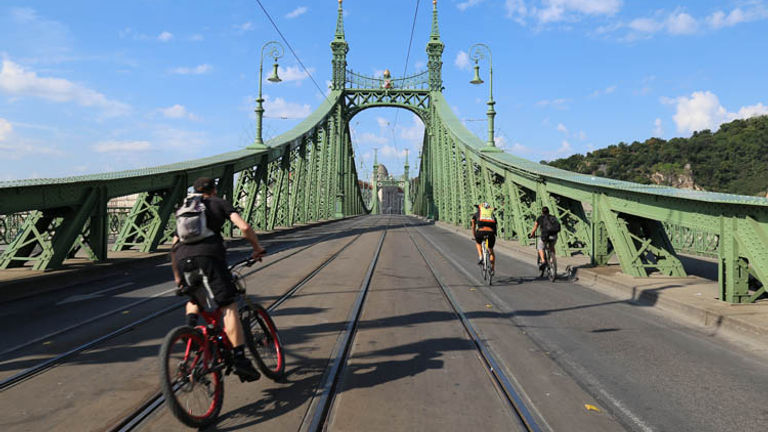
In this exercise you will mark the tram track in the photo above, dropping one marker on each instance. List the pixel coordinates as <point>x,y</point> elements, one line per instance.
<point>52,362</point>
<point>138,417</point>
<point>512,394</point>
<point>321,404</point>
<point>320,408</point>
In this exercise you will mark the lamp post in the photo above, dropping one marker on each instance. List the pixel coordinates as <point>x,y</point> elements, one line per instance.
<point>275,50</point>
<point>476,52</point>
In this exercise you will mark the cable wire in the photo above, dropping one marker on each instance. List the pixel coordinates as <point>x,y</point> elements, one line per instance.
<point>405,73</point>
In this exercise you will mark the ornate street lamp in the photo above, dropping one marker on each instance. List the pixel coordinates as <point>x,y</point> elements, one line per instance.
<point>275,50</point>
<point>476,52</point>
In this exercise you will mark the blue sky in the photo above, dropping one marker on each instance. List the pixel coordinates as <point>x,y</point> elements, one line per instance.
<point>93,86</point>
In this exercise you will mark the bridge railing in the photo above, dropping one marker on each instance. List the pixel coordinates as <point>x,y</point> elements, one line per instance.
<point>306,174</point>
<point>419,81</point>
<point>631,221</point>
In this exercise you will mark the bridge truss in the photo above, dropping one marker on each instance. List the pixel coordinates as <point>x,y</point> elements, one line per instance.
<point>308,174</point>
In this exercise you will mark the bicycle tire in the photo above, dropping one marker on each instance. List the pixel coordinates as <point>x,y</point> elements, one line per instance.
<point>488,263</point>
<point>181,346</point>
<point>552,267</point>
<point>263,340</point>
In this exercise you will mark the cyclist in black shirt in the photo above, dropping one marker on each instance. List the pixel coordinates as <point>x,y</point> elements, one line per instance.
<point>541,222</point>
<point>208,256</point>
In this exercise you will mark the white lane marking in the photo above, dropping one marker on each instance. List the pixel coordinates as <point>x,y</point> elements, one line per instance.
<point>82,297</point>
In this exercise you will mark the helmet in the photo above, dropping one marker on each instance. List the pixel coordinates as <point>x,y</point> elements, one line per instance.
<point>485,205</point>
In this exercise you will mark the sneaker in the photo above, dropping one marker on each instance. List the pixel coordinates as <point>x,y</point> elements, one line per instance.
<point>542,266</point>
<point>245,370</point>
<point>480,261</point>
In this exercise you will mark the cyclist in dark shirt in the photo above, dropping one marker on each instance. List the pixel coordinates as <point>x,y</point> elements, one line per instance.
<point>208,258</point>
<point>540,243</point>
<point>484,225</point>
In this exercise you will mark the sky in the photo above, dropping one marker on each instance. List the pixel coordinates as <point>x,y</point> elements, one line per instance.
<point>91,86</point>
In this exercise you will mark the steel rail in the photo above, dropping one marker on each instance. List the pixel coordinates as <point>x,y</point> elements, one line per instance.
<point>494,368</point>
<point>56,360</point>
<point>150,406</point>
<point>320,405</point>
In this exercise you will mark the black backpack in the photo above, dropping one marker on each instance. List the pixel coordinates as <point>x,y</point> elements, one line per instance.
<point>550,225</point>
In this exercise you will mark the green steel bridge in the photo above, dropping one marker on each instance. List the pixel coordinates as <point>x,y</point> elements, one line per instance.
<point>308,174</point>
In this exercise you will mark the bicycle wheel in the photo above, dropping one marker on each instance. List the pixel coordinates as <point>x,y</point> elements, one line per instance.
<point>263,340</point>
<point>192,392</point>
<point>552,267</point>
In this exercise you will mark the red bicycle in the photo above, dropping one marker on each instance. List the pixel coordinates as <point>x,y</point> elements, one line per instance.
<point>194,359</point>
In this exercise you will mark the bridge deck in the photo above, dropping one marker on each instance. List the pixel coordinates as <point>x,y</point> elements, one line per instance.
<point>411,364</point>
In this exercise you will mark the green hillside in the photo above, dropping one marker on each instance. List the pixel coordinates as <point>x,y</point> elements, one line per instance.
<point>734,159</point>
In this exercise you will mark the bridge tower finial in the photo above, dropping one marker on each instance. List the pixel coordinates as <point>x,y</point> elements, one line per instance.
<point>435,35</point>
<point>435,49</point>
<point>339,47</point>
<point>340,23</point>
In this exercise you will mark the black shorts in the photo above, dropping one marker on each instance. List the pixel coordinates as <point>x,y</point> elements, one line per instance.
<point>211,278</point>
<point>481,235</point>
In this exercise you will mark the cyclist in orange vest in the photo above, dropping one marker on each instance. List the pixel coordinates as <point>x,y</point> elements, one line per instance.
<point>484,225</point>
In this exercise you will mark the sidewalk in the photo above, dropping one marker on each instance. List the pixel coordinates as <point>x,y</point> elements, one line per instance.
<point>692,299</point>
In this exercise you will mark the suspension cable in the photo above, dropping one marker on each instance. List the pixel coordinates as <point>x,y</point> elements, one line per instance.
<point>405,73</point>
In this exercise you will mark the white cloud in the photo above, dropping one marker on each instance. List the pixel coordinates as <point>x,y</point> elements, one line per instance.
<point>462,60</point>
<point>120,146</point>
<point>17,150</point>
<point>301,10</point>
<point>645,25</point>
<point>389,151</point>
<point>197,70</point>
<point>244,27</point>
<point>196,38</point>
<point>606,91</point>
<point>468,4</point>
<point>370,138</point>
<point>293,73</point>
<point>680,23</point>
<point>5,129</point>
<point>561,128</point>
<point>702,110</point>
<point>755,12</point>
<point>177,112</point>
<point>582,136</point>
<point>500,141</point>
<point>165,36</point>
<point>41,38</point>
<point>16,81</point>
<point>658,131</point>
<point>279,107</point>
<point>519,149</point>
<point>560,104</point>
<point>413,133</point>
<point>550,11</point>
<point>382,122</point>
<point>565,148</point>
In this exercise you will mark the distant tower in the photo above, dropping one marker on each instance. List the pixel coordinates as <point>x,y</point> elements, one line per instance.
<point>339,48</point>
<point>406,187</point>
<point>435,49</point>
<point>375,184</point>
